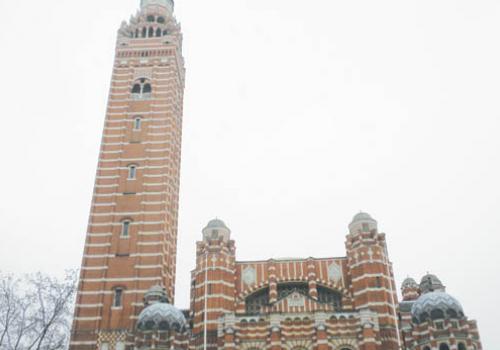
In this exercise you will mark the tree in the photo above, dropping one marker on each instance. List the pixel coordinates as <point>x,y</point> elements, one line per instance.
<point>36,311</point>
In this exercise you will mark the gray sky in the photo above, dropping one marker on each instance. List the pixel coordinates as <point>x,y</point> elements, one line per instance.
<point>297,115</point>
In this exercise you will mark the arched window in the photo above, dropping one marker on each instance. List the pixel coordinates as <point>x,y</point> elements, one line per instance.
<point>461,346</point>
<point>146,89</point>
<point>141,89</point>
<point>165,32</point>
<point>126,228</point>
<point>137,123</point>
<point>118,297</point>
<point>158,32</point>
<point>444,346</point>
<point>437,314</point>
<point>132,172</point>
<point>151,32</point>
<point>136,89</point>
<point>160,19</point>
<point>254,302</point>
<point>285,289</point>
<point>427,348</point>
<point>151,18</point>
<point>144,32</point>
<point>329,296</point>
<point>137,33</point>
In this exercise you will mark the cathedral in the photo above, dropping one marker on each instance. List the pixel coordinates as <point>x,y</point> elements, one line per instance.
<point>127,281</point>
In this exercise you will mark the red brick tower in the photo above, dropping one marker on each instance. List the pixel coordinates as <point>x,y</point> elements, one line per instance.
<point>212,283</point>
<point>372,283</point>
<point>132,231</point>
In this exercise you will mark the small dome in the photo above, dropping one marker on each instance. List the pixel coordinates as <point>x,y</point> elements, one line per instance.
<point>216,229</point>
<point>409,283</point>
<point>155,294</point>
<point>362,217</point>
<point>161,316</point>
<point>431,283</point>
<point>436,305</point>
<point>362,222</point>
<point>164,3</point>
<point>216,223</point>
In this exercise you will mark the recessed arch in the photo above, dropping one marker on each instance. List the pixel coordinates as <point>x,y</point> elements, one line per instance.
<point>444,346</point>
<point>141,88</point>
<point>255,301</point>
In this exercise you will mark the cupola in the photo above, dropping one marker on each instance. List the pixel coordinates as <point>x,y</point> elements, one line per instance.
<point>431,283</point>
<point>168,4</point>
<point>362,222</point>
<point>410,289</point>
<point>216,229</point>
<point>159,315</point>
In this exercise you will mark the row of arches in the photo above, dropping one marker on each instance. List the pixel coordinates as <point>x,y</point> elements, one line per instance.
<point>259,299</point>
<point>149,32</point>
<point>152,18</point>
<point>444,346</point>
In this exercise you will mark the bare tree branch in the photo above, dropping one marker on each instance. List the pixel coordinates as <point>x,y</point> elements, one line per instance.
<point>36,311</point>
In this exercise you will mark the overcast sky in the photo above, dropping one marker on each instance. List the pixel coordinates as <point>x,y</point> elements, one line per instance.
<point>298,114</point>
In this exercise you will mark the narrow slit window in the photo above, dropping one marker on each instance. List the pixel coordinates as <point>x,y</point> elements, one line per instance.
<point>137,124</point>
<point>118,300</point>
<point>126,228</point>
<point>132,172</point>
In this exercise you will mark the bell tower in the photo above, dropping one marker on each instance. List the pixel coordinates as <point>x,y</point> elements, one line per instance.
<point>132,231</point>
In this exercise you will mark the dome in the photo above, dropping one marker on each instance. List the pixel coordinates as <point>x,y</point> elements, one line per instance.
<point>431,283</point>
<point>362,222</point>
<point>165,3</point>
<point>216,229</point>
<point>161,316</point>
<point>362,217</point>
<point>436,305</point>
<point>155,294</point>
<point>409,283</point>
<point>216,223</point>
<point>168,4</point>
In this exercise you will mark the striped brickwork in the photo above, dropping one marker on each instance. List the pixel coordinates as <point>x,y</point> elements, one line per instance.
<point>213,280</point>
<point>372,282</point>
<point>451,333</point>
<point>142,130</point>
<point>294,313</point>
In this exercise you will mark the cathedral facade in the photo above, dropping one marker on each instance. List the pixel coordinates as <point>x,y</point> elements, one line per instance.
<point>127,282</point>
